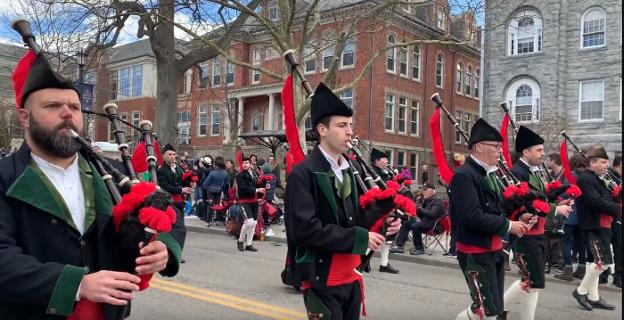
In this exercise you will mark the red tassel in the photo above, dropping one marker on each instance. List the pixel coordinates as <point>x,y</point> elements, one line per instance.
<point>541,205</point>
<point>405,204</point>
<point>20,74</point>
<point>139,156</point>
<point>131,201</point>
<point>503,132</point>
<point>553,186</point>
<point>438,148</point>
<point>567,171</point>
<point>159,220</point>
<point>290,124</point>
<point>574,191</point>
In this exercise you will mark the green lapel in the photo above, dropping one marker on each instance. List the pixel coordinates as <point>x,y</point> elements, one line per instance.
<point>536,182</point>
<point>354,192</point>
<point>97,199</point>
<point>322,179</point>
<point>34,188</point>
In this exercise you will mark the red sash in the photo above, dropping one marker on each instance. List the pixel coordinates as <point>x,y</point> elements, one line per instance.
<point>177,198</point>
<point>87,310</point>
<point>497,244</point>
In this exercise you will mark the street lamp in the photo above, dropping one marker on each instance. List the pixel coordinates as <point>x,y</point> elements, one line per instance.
<point>81,60</point>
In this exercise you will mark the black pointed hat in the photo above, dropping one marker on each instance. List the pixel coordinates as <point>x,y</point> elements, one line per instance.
<point>377,154</point>
<point>526,138</point>
<point>168,147</point>
<point>34,73</point>
<point>326,103</point>
<point>483,131</point>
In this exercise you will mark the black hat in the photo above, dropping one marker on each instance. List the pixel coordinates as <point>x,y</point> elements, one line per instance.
<point>40,76</point>
<point>483,131</point>
<point>326,103</point>
<point>244,157</point>
<point>597,151</point>
<point>525,138</point>
<point>377,154</point>
<point>168,147</point>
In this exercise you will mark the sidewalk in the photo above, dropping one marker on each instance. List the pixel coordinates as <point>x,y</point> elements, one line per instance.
<point>432,258</point>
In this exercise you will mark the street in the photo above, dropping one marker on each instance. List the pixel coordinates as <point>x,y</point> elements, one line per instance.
<point>219,282</point>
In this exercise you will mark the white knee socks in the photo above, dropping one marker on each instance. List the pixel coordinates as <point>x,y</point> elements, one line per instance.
<point>589,284</point>
<point>513,295</point>
<point>384,252</point>
<point>247,232</point>
<point>529,304</point>
<point>469,315</point>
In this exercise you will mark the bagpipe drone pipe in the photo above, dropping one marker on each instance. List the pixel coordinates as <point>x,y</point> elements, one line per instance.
<point>517,197</point>
<point>380,200</point>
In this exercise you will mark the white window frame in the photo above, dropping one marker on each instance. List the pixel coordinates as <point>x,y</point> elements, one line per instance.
<point>229,66</point>
<point>202,111</point>
<point>403,53</point>
<point>390,154</point>
<point>256,60</point>
<point>468,81</point>
<point>417,120</point>
<point>513,32</point>
<point>278,118</point>
<point>349,100</point>
<point>329,46</point>
<point>114,77</point>
<point>402,105</point>
<point>273,11</point>
<point>255,116</point>
<point>391,54</point>
<point>459,115</point>
<point>350,43</point>
<point>604,31</point>
<point>476,85</point>
<point>389,103</point>
<point>441,19</point>
<point>204,66</point>
<point>215,112</point>
<point>400,163</point>
<point>581,101</point>
<point>216,72</point>
<point>136,121</point>
<point>441,74</point>
<point>535,101</point>
<point>310,55</point>
<point>413,169</point>
<point>459,78</point>
<point>416,62</point>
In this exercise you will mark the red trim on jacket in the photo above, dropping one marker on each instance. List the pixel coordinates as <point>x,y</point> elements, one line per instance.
<point>606,221</point>
<point>538,229</point>
<point>87,310</point>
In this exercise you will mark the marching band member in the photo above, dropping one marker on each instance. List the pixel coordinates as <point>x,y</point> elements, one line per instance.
<point>532,246</point>
<point>596,211</point>
<point>324,224</point>
<point>475,202</point>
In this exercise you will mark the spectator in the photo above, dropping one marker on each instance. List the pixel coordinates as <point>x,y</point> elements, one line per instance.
<point>230,167</point>
<point>429,211</point>
<point>424,176</point>
<point>275,168</point>
<point>216,184</point>
<point>406,174</point>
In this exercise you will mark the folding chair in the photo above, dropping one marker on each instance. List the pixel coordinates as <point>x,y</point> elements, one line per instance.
<point>218,214</point>
<point>438,235</point>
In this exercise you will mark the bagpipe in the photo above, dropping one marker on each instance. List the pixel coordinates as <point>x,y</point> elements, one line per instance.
<point>141,210</point>
<point>614,186</point>
<point>553,188</point>
<point>517,197</point>
<point>380,199</point>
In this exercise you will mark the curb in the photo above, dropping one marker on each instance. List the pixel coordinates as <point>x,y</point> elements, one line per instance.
<point>451,263</point>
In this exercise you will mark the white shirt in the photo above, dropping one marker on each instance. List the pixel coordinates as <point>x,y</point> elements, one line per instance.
<point>68,184</point>
<point>489,169</point>
<point>336,168</point>
<point>533,168</point>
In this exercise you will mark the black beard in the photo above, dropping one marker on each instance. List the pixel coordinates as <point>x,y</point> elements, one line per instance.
<point>62,145</point>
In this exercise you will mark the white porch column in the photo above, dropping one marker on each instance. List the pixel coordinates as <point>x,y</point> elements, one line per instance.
<point>271,110</point>
<point>227,122</point>
<point>241,110</point>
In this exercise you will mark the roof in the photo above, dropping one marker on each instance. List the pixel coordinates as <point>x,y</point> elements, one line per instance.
<point>11,51</point>
<point>129,51</point>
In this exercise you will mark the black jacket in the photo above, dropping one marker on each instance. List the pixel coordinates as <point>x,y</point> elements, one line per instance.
<point>43,257</point>
<point>595,200</point>
<point>431,210</point>
<point>169,181</point>
<point>318,223</point>
<point>246,184</point>
<point>476,212</point>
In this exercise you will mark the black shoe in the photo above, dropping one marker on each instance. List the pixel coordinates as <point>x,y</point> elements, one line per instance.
<point>579,273</point>
<point>240,246</point>
<point>601,304</point>
<point>416,252</point>
<point>397,249</point>
<point>367,267</point>
<point>503,316</point>
<point>583,300</point>
<point>388,269</point>
<point>603,279</point>
<point>182,261</point>
<point>250,248</point>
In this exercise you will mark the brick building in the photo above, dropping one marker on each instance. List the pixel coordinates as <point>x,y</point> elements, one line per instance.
<point>219,100</point>
<point>558,64</point>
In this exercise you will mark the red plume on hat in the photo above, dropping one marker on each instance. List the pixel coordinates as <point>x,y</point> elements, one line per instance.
<point>20,74</point>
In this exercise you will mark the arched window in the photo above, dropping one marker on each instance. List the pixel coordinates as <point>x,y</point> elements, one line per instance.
<point>593,28</point>
<point>468,90</point>
<point>459,75</point>
<point>524,33</point>
<point>439,76</point>
<point>415,63</point>
<point>523,97</point>
<point>391,55</point>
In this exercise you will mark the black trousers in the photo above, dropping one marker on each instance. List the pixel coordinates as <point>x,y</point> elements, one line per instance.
<point>598,241</point>
<point>492,265</point>
<point>616,242</point>
<point>533,250</point>
<point>179,209</point>
<point>343,302</point>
